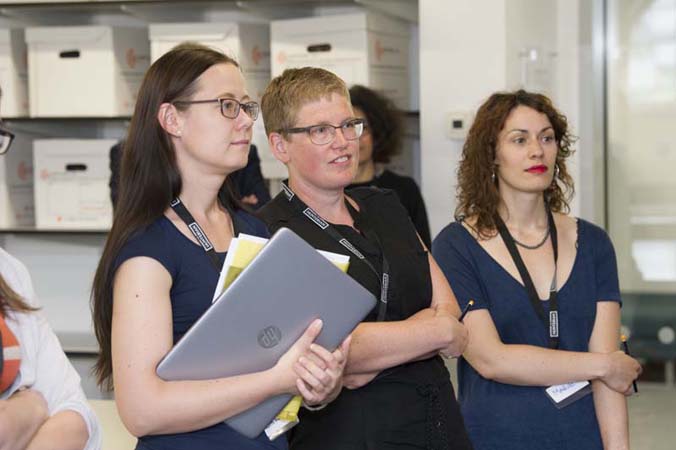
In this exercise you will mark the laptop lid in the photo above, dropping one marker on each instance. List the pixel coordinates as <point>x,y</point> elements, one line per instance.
<point>261,314</point>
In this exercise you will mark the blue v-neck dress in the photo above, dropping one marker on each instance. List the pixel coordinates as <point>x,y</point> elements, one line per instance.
<point>503,416</point>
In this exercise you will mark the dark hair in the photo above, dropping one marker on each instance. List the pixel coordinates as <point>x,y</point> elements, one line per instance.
<point>384,122</point>
<point>477,193</point>
<point>149,177</point>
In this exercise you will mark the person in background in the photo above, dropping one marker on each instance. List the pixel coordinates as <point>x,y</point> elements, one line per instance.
<point>42,405</point>
<point>400,394</point>
<point>248,182</point>
<point>544,284</point>
<point>381,139</point>
<point>190,130</point>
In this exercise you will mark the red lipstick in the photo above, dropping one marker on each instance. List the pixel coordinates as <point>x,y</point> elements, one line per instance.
<point>539,169</point>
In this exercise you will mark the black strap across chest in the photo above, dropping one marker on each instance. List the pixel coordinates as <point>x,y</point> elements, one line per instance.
<point>383,277</point>
<point>182,212</point>
<point>551,321</point>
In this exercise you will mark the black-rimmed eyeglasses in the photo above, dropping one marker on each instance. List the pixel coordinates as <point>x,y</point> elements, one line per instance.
<point>229,106</point>
<point>6,138</point>
<point>326,133</point>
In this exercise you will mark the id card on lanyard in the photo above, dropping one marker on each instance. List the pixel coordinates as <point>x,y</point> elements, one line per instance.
<point>327,228</point>
<point>561,395</point>
<point>550,320</point>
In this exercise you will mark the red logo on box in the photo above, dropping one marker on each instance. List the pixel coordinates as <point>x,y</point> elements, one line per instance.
<point>379,49</point>
<point>44,174</point>
<point>23,171</point>
<point>131,58</point>
<point>281,57</point>
<point>256,55</point>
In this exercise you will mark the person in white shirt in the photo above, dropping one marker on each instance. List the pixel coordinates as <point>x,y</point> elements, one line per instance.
<point>42,405</point>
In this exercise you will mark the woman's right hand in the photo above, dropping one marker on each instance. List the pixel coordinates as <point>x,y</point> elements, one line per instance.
<point>284,368</point>
<point>621,371</point>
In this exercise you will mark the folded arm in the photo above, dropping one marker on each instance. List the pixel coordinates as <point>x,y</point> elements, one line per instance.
<point>380,345</point>
<point>65,430</point>
<point>611,406</point>
<point>528,365</point>
<point>21,416</point>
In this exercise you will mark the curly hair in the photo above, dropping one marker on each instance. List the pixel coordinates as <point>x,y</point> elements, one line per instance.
<point>383,120</point>
<point>477,191</point>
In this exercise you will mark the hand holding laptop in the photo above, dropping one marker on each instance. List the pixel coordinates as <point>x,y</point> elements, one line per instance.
<point>310,370</point>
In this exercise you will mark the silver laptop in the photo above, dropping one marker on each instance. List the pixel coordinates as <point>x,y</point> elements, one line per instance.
<point>263,312</point>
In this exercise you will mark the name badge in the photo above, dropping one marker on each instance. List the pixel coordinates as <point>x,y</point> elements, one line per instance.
<point>563,395</point>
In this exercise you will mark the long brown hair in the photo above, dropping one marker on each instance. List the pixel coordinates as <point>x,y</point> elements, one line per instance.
<point>10,300</point>
<point>149,177</point>
<point>477,191</point>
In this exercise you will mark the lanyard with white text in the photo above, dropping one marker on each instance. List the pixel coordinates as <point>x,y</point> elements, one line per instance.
<point>553,323</point>
<point>315,218</point>
<point>182,212</point>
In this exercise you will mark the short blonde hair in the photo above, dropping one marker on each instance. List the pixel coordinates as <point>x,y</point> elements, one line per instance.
<point>294,88</point>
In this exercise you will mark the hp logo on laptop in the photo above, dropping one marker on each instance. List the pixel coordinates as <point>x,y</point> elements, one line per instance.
<point>270,336</point>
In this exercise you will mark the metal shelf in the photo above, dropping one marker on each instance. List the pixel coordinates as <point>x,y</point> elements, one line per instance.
<point>80,11</point>
<point>52,231</point>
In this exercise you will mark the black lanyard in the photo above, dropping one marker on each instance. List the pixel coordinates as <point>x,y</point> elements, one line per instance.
<point>551,324</point>
<point>182,212</point>
<point>315,218</point>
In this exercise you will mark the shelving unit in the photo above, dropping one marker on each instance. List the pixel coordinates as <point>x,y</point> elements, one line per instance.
<point>62,262</point>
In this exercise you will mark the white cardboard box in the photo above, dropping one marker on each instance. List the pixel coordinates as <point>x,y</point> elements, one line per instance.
<point>13,73</point>
<point>71,183</point>
<point>361,48</point>
<point>85,71</point>
<point>16,184</point>
<point>249,45</point>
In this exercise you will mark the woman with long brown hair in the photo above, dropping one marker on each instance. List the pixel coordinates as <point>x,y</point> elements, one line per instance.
<point>191,128</point>
<point>42,404</point>
<point>545,317</point>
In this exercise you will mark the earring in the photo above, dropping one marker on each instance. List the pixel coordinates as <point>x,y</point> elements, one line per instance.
<point>493,175</point>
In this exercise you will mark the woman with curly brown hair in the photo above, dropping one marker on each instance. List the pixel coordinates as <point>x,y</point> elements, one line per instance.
<point>544,325</point>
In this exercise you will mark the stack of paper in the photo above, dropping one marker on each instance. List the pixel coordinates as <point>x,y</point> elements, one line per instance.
<point>242,251</point>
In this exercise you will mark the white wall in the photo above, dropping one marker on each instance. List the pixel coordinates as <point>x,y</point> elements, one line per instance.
<point>462,61</point>
<point>472,48</point>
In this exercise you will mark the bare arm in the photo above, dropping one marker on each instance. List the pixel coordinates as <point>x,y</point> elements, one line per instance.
<point>142,335</point>
<point>21,415</point>
<point>63,431</point>
<point>381,345</point>
<point>611,406</point>
<point>528,365</point>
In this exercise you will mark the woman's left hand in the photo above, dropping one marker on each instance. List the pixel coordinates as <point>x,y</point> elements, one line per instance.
<point>320,373</point>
